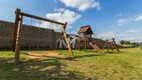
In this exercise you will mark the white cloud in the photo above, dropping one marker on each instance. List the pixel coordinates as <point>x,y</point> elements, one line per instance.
<point>82,5</point>
<point>74,32</point>
<point>131,31</point>
<point>64,16</point>
<point>107,35</point>
<point>118,37</point>
<point>49,26</point>
<point>60,10</point>
<point>133,39</point>
<point>138,18</point>
<point>120,14</point>
<point>122,22</point>
<point>67,16</point>
<point>110,35</point>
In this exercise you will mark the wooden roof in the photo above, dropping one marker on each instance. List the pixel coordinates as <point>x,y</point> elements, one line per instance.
<point>85,29</point>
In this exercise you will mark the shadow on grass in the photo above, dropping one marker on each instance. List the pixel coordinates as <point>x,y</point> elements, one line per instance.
<point>113,52</point>
<point>86,55</point>
<point>88,51</point>
<point>48,69</point>
<point>82,56</point>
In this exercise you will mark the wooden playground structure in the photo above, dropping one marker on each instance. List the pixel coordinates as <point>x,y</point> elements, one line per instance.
<point>110,44</point>
<point>17,28</point>
<point>85,36</point>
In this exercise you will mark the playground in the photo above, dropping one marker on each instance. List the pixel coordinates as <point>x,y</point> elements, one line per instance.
<point>110,61</point>
<point>84,37</point>
<point>124,65</point>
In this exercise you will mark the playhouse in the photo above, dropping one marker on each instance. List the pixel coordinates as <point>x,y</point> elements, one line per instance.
<point>85,36</point>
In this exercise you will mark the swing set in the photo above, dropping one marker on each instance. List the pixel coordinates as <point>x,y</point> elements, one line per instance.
<point>17,29</point>
<point>110,44</point>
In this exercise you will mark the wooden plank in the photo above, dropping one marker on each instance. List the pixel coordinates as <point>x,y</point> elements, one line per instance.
<point>40,18</point>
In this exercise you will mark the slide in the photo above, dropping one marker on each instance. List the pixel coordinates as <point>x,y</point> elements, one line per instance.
<point>96,48</point>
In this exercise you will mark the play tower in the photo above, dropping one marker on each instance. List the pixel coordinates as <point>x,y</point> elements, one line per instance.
<point>85,37</point>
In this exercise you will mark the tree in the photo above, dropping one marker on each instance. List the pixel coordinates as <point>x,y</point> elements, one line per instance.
<point>122,42</point>
<point>141,46</point>
<point>127,42</point>
<point>135,44</point>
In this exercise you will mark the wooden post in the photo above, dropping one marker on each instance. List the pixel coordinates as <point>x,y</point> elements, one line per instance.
<point>58,41</point>
<point>79,45</point>
<point>15,29</point>
<point>65,36</point>
<point>116,46</point>
<point>106,43</point>
<point>91,40</point>
<point>109,46</point>
<point>85,45</point>
<point>57,45</point>
<point>17,45</point>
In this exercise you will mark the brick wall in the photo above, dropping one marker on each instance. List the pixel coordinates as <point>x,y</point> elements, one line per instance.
<point>31,37</point>
<point>6,29</point>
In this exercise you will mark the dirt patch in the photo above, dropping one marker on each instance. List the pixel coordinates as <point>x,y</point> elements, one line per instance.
<point>36,55</point>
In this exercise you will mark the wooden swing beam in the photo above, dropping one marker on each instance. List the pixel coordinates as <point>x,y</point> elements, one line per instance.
<point>17,28</point>
<point>40,18</point>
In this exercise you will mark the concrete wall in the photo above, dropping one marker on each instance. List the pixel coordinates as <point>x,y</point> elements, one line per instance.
<point>31,37</point>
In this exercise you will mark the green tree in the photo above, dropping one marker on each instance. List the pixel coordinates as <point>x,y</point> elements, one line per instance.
<point>127,42</point>
<point>122,42</point>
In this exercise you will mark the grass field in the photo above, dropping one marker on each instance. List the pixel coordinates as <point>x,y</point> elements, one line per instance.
<point>124,65</point>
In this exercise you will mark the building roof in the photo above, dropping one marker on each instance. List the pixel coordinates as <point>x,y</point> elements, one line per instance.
<point>85,29</point>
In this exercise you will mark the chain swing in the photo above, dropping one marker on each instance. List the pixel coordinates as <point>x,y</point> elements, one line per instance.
<point>38,34</point>
<point>30,47</point>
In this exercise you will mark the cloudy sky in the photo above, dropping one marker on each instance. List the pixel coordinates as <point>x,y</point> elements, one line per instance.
<point>121,19</point>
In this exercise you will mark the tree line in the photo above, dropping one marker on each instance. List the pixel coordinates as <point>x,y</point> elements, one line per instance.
<point>134,44</point>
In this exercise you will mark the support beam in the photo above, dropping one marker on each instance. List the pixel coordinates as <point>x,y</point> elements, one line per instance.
<point>61,36</point>
<point>77,47</point>
<point>17,45</point>
<point>66,39</point>
<point>15,29</point>
<point>85,45</point>
<point>40,18</point>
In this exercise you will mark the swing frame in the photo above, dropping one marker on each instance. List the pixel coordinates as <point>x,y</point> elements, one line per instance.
<point>17,30</point>
<point>109,43</point>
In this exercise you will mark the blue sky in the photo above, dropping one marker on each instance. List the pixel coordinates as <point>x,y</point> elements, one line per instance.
<point>121,19</point>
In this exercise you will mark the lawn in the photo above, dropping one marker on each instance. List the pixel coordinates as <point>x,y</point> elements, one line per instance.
<point>124,65</point>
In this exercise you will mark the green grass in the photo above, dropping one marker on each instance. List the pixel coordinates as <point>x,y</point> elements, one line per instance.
<point>124,65</point>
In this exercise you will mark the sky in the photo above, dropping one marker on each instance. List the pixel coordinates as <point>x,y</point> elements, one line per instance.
<point>120,19</point>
